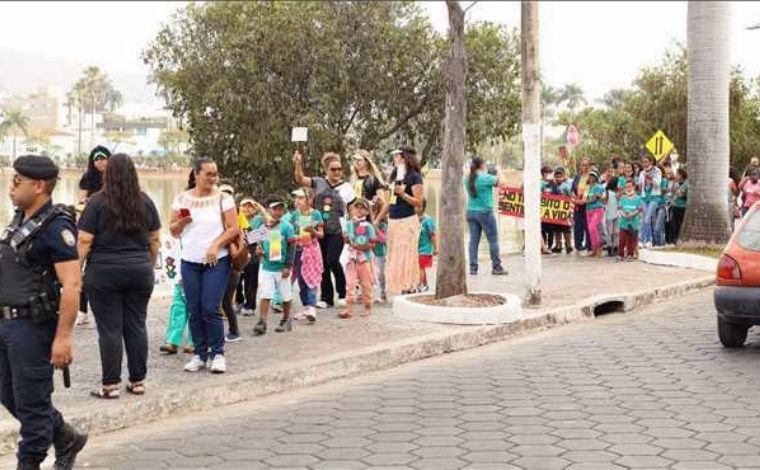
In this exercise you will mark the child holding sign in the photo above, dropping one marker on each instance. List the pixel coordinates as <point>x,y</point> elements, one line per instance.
<point>276,255</point>
<point>360,236</point>
<point>309,227</point>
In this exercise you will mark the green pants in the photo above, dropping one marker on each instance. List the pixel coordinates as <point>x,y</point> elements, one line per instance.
<point>177,332</point>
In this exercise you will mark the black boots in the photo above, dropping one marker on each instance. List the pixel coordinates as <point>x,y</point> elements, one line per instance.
<point>28,465</point>
<point>68,442</point>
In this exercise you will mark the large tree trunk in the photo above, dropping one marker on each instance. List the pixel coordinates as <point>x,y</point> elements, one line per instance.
<point>707,216</point>
<point>531,128</point>
<point>451,274</point>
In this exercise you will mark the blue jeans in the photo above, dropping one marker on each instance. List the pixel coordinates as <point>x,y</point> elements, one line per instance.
<point>307,294</point>
<point>204,288</point>
<point>479,222</point>
<point>648,221</point>
<point>659,225</point>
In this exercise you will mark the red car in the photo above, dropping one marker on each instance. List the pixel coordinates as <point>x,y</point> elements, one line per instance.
<point>737,297</point>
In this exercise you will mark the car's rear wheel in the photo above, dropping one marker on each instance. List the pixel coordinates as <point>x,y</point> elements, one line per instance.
<point>732,335</point>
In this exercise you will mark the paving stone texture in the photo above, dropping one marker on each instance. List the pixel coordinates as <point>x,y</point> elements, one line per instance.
<point>651,389</point>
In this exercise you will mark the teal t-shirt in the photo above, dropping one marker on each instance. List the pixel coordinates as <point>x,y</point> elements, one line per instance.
<point>484,184</point>
<point>361,232</point>
<point>595,190</point>
<point>627,205</point>
<point>300,222</point>
<point>381,247</point>
<point>280,235</point>
<point>426,235</point>
<point>681,195</point>
<point>664,186</point>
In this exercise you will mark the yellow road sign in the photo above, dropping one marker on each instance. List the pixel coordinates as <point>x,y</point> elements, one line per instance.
<point>659,145</point>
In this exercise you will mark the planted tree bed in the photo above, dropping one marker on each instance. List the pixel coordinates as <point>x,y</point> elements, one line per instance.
<point>466,300</point>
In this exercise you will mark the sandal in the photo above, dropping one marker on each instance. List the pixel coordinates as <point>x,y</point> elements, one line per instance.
<point>106,392</point>
<point>136,388</point>
<point>344,315</point>
<point>168,348</point>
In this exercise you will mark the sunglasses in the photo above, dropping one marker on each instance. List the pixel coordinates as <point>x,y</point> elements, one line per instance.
<point>336,168</point>
<point>19,180</point>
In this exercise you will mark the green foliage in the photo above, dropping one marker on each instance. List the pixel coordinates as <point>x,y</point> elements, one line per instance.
<point>357,74</point>
<point>93,92</point>
<point>658,100</point>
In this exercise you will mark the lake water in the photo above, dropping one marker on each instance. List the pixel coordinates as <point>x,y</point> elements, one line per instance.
<point>162,188</point>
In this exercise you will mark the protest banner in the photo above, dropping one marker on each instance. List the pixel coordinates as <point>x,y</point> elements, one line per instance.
<point>555,209</point>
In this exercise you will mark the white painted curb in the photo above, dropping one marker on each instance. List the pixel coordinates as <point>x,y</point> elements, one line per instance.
<point>510,311</point>
<point>682,260</point>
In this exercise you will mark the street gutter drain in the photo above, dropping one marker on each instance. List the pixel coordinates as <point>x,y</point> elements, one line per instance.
<point>612,306</point>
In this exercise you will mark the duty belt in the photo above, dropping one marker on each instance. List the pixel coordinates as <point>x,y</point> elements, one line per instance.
<point>12,313</point>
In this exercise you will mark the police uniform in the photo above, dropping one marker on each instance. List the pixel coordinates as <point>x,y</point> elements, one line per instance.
<point>29,297</point>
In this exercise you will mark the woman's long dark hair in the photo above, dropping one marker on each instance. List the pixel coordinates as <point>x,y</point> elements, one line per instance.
<point>410,160</point>
<point>475,165</point>
<point>125,207</point>
<point>92,176</point>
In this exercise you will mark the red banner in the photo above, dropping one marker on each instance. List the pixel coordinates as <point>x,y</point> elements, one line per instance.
<point>554,209</point>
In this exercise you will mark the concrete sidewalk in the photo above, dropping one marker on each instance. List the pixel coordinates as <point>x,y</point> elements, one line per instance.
<point>334,348</point>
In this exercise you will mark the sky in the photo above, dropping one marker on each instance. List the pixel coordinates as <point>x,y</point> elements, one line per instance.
<point>598,45</point>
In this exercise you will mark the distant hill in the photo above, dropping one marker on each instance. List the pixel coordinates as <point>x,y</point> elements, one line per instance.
<point>23,73</point>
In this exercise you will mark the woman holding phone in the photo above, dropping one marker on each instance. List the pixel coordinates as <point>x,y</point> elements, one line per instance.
<point>205,220</point>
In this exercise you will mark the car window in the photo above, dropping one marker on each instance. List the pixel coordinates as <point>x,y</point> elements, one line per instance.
<point>749,237</point>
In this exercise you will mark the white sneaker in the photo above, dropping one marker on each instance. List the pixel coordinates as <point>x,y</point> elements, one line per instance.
<point>648,245</point>
<point>83,318</point>
<point>321,304</point>
<point>195,364</point>
<point>218,364</point>
<point>341,303</point>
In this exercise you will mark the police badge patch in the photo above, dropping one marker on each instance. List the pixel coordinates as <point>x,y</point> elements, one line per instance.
<point>68,238</point>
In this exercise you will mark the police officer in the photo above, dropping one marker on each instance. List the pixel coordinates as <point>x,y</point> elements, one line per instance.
<point>39,294</point>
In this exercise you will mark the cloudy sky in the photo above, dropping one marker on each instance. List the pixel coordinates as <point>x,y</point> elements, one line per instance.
<point>599,45</point>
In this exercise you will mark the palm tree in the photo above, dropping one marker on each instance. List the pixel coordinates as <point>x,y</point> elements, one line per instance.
<point>93,93</point>
<point>708,39</point>
<point>15,121</point>
<point>573,95</point>
<point>550,98</point>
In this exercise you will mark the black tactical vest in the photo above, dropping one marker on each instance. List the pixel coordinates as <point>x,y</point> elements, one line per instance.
<point>22,283</point>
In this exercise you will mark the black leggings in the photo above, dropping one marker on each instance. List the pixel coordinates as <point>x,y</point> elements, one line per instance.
<point>678,214</point>
<point>227,307</point>
<point>332,247</point>
<point>248,284</point>
<point>119,296</point>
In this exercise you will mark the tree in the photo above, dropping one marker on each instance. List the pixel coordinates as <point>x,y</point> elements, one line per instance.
<point>531,113</point>
<point>708,35</point>
<point>14,121</point>
<point>369,74</point>
<point>573,95</point>
<point>451,273</point>
<point>172,140</point>
<point>93,93</point>
<point>120,137</point>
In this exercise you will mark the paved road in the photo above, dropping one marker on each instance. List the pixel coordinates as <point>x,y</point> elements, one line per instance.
<point>644,390</point>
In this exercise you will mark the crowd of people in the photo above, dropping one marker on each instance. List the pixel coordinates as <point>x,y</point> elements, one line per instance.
<point>338,240</point>
<point>631,204</point>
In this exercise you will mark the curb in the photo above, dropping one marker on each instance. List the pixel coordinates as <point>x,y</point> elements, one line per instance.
<point>681,260</point>
<point>247,386</point>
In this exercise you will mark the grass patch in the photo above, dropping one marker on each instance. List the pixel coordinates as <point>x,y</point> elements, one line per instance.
<point>709,251</point>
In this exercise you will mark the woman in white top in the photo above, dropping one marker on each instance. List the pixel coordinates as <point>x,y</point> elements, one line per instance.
<point>205,220</point>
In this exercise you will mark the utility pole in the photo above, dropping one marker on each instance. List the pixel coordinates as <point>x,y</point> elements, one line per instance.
<point>531,130</point>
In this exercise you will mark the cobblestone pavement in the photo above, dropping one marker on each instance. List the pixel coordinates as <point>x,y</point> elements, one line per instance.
<point>643,390</point>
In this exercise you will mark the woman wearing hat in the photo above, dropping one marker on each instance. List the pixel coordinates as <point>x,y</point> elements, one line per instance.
<point>90,183</point>
<point>594,198</point>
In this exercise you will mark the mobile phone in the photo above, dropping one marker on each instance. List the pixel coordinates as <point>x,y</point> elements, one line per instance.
<point>184,212</point>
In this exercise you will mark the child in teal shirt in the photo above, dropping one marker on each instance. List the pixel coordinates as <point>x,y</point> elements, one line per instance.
<point>427,247</point>
<point>380,252</point>
<point>277,255</point>
<point>360,237</point>
<point>594,197</point>
<point>630,208</point>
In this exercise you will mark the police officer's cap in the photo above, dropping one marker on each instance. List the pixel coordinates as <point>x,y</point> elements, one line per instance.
<point>36,167</point>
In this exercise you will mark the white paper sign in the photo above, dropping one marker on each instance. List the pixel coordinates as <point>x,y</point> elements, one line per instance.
<point>257,236</point>
<point>300,134</point>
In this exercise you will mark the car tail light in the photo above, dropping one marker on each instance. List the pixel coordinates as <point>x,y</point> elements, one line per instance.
<point>728,269</point>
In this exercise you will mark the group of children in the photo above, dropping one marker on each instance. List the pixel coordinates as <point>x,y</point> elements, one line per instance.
<point>626,207</point>
<point>285,247</point>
